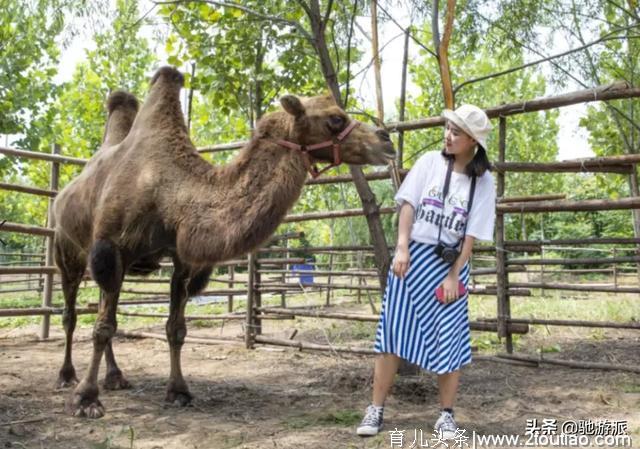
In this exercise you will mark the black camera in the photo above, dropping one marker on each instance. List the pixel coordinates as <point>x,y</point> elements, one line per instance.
<point>446,253</point>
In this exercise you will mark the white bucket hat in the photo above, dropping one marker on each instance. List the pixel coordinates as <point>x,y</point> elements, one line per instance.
<point>472,120</point>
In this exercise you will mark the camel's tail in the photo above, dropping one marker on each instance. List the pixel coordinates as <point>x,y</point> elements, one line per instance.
<point>106,265</point>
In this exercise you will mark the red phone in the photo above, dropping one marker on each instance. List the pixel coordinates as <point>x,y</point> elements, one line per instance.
<point>462,290</point>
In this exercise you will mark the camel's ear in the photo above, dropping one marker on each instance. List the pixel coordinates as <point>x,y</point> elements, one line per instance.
<point>292,105</point>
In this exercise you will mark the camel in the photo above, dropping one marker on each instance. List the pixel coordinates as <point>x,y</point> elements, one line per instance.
<point>148,194</point>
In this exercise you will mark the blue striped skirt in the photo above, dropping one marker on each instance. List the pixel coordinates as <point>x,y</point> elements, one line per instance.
<point>414,325</point>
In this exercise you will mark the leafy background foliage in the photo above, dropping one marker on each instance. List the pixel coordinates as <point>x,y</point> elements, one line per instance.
<point>238,64</point>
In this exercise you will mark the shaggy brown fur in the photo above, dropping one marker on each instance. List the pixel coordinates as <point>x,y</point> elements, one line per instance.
<point>152,195</point>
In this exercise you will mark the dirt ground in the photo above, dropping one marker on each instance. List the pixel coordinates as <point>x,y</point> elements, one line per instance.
<point>283,398</point>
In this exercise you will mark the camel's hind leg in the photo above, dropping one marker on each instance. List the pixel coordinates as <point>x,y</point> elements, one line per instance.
<point>177,389</point>
<point>72,266</point>
<point>105,259</point>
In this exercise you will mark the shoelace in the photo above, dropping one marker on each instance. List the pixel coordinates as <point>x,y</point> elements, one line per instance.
<point>371,417</point>
<point>448,423</point>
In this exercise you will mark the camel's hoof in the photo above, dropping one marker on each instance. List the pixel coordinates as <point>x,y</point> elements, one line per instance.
<point>66,378</point>
<point>179,398</point>
<point>84,402</point>
<point>114,380</point>
<point>93,411</point>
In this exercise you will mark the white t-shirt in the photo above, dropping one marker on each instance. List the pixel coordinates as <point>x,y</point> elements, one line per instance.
<point>423,188</point>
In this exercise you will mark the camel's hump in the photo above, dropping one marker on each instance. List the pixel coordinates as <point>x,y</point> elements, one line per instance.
<point>169,74</point>
<point>121,98</point>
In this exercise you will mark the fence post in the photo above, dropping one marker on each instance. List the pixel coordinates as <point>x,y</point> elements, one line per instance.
<point>504,308</point>
<point>47,292</point>
<point>283,277</point>
<point>231,270</point>
<point>249,331</point>
<point>615,269</point>
<point>328,303</point>
<point>635,213</point>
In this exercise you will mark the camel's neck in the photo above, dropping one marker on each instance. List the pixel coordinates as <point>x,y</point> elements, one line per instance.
<point>243,203</point>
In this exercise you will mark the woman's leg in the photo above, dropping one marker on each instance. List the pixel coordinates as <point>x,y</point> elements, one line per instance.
<point>448,387</point>
<point>386,367</point>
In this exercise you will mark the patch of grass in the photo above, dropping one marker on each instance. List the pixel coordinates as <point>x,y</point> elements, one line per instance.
<point>631,388</point>
<point>342,418</point>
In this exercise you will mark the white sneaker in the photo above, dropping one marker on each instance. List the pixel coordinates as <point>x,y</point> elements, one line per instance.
<point>446,426</point>
<point>372,421</point>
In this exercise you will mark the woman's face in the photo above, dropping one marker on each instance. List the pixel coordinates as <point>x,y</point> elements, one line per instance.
<point>456,141</point>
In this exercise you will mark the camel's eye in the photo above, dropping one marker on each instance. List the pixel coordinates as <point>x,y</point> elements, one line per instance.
<point>336,122</point>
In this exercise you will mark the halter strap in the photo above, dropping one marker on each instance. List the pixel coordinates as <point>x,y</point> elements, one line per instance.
<point>306,149</point>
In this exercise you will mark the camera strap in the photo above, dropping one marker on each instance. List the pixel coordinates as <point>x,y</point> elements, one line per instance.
<point>445,192</point>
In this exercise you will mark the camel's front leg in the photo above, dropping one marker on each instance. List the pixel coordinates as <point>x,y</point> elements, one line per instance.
<point>177,390</point>
<point>84,399</point>
<point>114,379</point>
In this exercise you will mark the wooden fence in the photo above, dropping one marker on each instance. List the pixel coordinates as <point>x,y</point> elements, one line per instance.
<point>504,263</point>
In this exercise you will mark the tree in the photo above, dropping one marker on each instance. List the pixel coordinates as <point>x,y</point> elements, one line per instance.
<point>28,58</point>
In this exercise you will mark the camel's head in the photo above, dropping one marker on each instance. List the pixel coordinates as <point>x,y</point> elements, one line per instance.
<point>318,120</point>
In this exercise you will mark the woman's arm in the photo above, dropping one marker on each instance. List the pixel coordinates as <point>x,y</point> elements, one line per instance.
<point>450,283</point>
<point>401,259</point>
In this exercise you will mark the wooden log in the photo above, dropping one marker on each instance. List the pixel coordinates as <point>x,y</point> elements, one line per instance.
<point>502,276</point>
<point>27,189</point>
<point>613,91</point>
<point>148,281</point>
<point>475,325</point>
<point>231,282</point>
<point>249,331</point>
<point>275,261</point>
<point>42,156</point>
<point>333,214</point>
<point>26,289</point>
<point>512,248</point>
<point>29,270</point>
<point>47,290</point>
<point>573,323</point>
<point>569,167</point>
<point>323,272</point>
<point>212,292</point>
<point>577,261</point>
<point>332,286</point>
<point>570,206</point>
<point>487,271</point>
<point>620,163</point>
<point>222,147</point>
<point>311,346</point>
<point>320,249</point>
<point>572,363</point>
<point>583,241</point>
<point>195,340</point>
<point>187,317</point>
<point>44,311</point>
<point>525,199</point>
<point>575,287</point>
<point>26,229</point>
<point>27,255</point>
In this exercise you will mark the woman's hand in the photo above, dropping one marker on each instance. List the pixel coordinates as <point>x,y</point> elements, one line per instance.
<point>401,261</point>
<point>450,287</point>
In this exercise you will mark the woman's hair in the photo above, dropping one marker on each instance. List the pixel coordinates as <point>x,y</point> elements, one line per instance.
<point>478,165</point>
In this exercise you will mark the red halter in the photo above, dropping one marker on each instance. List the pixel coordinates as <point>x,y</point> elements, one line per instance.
<point>306,149</point>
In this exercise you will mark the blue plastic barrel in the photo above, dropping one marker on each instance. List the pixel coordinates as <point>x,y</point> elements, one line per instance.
<point>305,278</point>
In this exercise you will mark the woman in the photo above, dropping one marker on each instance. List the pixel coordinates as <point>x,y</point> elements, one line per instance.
<point>435,240</point>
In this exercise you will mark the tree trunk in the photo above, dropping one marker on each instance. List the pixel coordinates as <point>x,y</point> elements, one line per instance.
<point>442,48</point>
<point>369,204</point>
